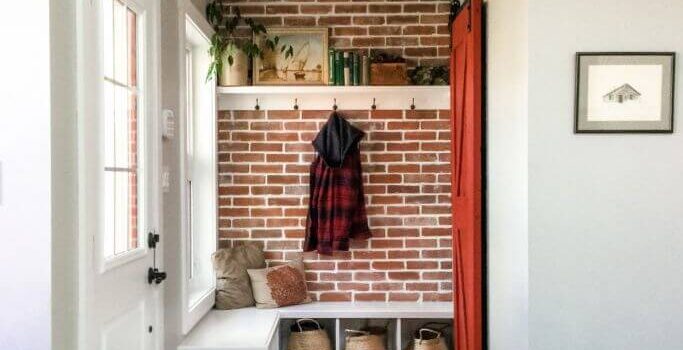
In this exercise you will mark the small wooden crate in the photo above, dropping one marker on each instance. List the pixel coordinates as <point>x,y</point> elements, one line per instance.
<point>388,74</point>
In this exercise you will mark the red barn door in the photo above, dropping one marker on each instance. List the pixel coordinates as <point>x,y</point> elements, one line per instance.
<point>466,163</point>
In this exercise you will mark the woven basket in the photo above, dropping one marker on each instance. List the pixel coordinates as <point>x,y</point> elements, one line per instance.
<point>365,340</point>
<point>316,339</point>
<point>427,338</point>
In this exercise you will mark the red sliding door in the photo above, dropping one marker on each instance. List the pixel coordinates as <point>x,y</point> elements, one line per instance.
<point>466,163</point>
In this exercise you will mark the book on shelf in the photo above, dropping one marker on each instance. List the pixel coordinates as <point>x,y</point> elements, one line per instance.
<point>330,68</point>
<point>338,68</point>
<point>347,69</point>
<point>356,69</point>
<point>365,70</point>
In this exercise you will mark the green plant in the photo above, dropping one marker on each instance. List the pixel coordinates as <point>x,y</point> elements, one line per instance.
<point>225,38</point>
<point>425,75</point>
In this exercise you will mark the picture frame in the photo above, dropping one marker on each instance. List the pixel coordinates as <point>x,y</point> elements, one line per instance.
<point>307,66</point>
<point>624,92</point>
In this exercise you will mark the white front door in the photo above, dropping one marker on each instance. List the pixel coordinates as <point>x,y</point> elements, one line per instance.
<point>119,172</point>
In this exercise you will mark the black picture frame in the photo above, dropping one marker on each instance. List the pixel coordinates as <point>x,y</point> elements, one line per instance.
<point>633,127</point>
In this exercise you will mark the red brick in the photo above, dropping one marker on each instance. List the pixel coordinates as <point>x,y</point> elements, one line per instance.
<point>363,287</point>
<point>369,276</point>
<point>354,8</point>
<point>300,21</point>
<point>335,296</point>
<point>282,9</point>
<point>385,8</point>
<point>337,276</point>
<point>404,296</point>
<point>316,287</point>
<point>385,30</point>
<point>368,20</point>
<point>333,20</point>
<point>316,9</point>
<point>370,297</point>
<point>353,265</point>
<point>319,265</point>
<point>404,276</point>
<point>403,19</point>
<point>388,265</point>
<point>419,8</point>
<point>437,296</point>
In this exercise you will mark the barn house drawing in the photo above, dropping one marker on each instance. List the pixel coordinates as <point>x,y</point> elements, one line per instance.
<point>622,94</point>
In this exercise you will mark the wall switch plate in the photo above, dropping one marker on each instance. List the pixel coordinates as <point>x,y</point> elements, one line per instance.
<point>168,118</point>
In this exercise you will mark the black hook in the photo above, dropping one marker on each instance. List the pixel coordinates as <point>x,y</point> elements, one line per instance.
<point>334,106</point>
<point>257,107</point>
<point>374,106</point>
<point>412,105</point>
<point>296,104</point>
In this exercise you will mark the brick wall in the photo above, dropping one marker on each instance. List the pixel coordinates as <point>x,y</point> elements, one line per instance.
<point>416,30</point>
<point>264,159</point>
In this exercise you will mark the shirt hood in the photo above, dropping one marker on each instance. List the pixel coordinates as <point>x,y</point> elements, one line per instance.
<point>336,138</point>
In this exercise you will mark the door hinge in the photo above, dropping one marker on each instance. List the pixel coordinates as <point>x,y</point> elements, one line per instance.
<point>152,240</point>
<point>469,17</point>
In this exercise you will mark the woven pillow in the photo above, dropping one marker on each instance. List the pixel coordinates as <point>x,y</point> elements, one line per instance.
<point>280,285</point>
<point>233,289</point>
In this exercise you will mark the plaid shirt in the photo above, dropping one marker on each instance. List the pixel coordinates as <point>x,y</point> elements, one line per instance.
<point>336,211</point>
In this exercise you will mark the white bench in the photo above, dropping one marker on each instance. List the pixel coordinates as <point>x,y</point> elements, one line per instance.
<point>254,329</point>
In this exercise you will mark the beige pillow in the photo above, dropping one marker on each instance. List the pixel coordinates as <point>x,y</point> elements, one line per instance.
<point>233,289</point>
<point>280,285</point>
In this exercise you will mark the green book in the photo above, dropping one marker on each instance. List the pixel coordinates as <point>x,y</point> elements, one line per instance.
<point>338,68</point>
<point>356,69</point>
<point>330,68</point>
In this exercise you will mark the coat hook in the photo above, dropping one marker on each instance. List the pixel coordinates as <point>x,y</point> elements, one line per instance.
<point>334,106</point>
<point>412,105</point>
<point>257,107</point>
<point>374,105</point>
<point>296,104</point>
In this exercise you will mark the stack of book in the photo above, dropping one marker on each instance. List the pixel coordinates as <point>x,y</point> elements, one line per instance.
<point>348,68</point>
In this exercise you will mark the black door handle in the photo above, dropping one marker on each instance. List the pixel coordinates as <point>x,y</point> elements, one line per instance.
<point>156,276</point>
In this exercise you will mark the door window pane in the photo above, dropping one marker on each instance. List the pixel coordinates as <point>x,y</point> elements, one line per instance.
<point>120,127</point>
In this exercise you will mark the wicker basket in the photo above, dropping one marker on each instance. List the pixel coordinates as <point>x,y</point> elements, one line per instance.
<point>365,340</point>
<point>316,339</point>
<point>428,338</point>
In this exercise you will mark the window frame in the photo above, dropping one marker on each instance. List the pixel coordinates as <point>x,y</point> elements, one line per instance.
<point>104,262</point>
<point>191,313</point>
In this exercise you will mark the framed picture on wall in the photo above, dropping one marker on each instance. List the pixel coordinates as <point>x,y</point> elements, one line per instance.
<point>307,64</point>
<point>624,92</point>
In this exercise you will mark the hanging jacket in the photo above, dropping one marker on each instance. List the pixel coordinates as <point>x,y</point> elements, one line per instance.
<point>336,208</point>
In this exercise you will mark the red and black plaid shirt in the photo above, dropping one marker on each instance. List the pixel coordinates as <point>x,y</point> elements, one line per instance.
<point>336,211</point>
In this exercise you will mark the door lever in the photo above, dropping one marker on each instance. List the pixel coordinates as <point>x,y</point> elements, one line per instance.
<point>156,276</point>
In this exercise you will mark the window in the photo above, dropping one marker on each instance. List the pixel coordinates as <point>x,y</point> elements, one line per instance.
<point>120,128</point>
<point>199,185</point>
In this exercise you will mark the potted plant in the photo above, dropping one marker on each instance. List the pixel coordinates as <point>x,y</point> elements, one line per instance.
<point>229,52</point>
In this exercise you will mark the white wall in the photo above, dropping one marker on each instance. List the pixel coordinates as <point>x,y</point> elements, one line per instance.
<point>605,211</point>
<point>507,81</point>
<point>25,181</point>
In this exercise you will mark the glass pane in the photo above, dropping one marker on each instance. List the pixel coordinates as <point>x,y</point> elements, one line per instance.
<point>120,128</point>
<point>121,36</point>
<point>108,42</point>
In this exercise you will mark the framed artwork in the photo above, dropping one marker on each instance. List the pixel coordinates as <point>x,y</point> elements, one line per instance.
<point>624,92</point>
<point>307,66</point>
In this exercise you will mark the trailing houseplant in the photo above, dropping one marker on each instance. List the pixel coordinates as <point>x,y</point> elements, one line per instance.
<point>226,44</point>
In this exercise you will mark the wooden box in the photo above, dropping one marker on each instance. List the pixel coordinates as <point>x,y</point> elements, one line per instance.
<point>388,74</point>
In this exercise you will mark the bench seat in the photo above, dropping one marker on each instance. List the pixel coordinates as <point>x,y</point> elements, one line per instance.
<point>257,329</point>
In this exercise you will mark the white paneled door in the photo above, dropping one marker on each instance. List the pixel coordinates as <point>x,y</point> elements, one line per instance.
<point>120,297</point>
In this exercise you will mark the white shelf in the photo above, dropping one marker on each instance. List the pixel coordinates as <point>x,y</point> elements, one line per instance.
<point>315,89</point>
<point>369,310</point>
<point>322,97</point>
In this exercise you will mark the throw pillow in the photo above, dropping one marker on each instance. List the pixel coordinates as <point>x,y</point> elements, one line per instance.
<point>233,289</point>
<point>280,285</point>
